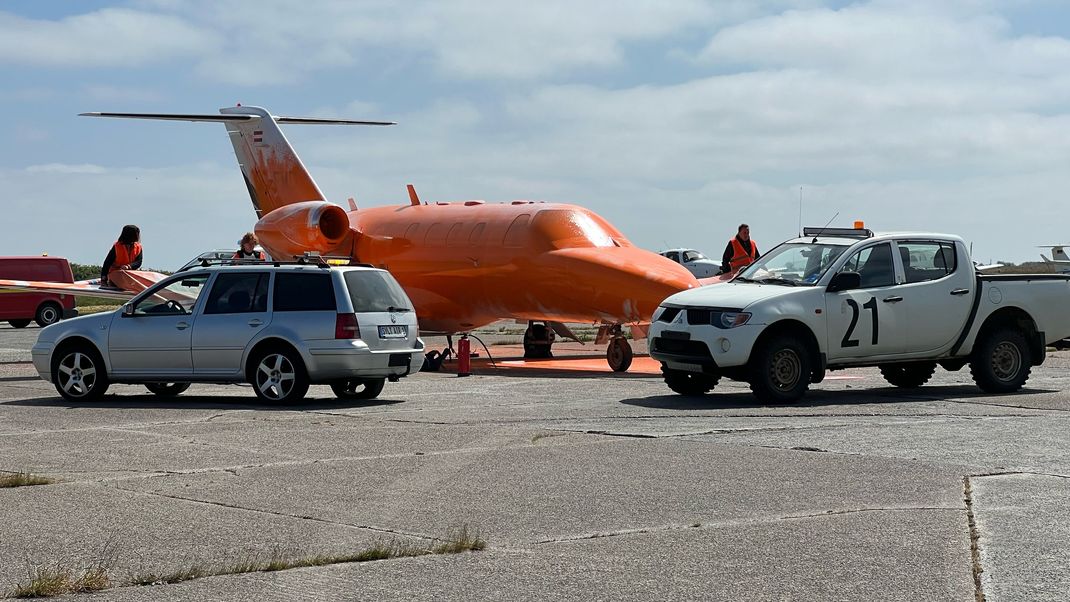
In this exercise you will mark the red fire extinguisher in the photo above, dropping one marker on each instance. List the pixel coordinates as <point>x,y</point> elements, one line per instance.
<point>464,356</point>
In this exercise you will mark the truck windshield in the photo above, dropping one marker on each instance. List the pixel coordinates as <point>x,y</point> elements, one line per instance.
<point>373,291</point>
<point>798,264</point>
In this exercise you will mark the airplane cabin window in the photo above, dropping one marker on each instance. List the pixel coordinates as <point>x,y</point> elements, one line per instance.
<point>476,236</point>
<point>435,235</point>
<point>410,232</point>
<point>517,234</point>
<point>453,239</point>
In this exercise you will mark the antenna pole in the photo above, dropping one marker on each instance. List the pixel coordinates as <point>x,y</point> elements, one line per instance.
<point>800,211</point>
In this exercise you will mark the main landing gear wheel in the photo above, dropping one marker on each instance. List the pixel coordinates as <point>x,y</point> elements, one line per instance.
<point>538,340</point>
<point>619,354</point>
<point>358,388</point>
<point>167,389</point>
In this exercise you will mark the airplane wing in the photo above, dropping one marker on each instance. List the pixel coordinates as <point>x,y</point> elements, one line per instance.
<point>131,282</point>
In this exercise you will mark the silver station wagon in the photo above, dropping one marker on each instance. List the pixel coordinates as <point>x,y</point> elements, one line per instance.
<point>279,327</point>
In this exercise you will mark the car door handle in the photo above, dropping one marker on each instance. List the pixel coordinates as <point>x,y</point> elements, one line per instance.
<point>892,299</point>
<point>960,291</point>
<point>255,322</point>
<point>182,325</point>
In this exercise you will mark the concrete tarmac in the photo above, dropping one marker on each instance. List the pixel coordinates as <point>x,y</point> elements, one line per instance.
<point>584,485</point>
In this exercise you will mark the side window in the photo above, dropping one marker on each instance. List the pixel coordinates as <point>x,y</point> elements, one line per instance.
<point>410,232</point>
<point>435,235</point>
<point>238,293</point>
<point>516,235</point>
<point>174,299</point>
<point>476,236</point>
<point>930,260</point>
<point>303,292</point>
<point>453,239</point>
<point>874,264</point>
<point>690,256</point>
<point>674,255</point>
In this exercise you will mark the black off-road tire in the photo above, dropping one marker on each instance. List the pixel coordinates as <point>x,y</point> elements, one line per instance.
<point>358,388</point>
<point>909,375</point>
<point>48,314</point>
<point>278,375</point>
<point>780,370</point>
<point>19,323</point>
<point>1001,361</point>
<point>539,341</point>
<point>689,383</point>
<point>167,389</point>
<point>74,361</point>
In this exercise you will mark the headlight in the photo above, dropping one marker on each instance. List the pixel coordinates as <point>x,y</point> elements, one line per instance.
<point>730,319</point>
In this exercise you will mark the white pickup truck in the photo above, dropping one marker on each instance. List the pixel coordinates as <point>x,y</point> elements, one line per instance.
<point>839,298</point>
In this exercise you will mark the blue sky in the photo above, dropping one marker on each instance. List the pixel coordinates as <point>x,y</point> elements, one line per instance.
<point>674,120</point>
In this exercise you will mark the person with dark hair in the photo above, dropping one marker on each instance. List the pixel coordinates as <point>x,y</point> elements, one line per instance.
<point>248,248</point>
<point>740,252</point>
<point>125,254</point>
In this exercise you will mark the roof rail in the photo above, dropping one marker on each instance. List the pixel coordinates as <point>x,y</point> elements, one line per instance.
<point>309,258</point>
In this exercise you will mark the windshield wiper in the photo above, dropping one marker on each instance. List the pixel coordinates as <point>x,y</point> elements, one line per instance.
<point>743,279</point>
<point>778,281</point>
<point>397,309</point>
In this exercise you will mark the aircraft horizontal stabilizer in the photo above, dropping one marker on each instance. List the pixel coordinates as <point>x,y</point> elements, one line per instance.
<point>175,117</point>
<point>86,288</point>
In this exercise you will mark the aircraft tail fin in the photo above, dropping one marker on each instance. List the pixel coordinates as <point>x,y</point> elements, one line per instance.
<point>274,174</point>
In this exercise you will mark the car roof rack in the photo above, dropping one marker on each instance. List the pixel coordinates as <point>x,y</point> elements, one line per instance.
<point>838,232</point>
<point>309,258</point>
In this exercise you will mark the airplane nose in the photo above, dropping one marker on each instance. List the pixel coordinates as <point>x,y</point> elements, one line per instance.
<point>624,283</point>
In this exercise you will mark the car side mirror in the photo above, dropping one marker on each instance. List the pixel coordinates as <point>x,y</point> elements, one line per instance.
<point>128,309</point>
<point>845,281</point>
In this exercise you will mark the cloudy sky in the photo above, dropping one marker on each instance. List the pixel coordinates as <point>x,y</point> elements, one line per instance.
<point>674,119</point>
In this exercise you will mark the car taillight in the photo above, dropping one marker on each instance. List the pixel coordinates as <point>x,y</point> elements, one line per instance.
<point>346,327</point>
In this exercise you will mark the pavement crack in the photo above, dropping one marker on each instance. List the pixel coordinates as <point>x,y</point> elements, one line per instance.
<point>279,514</point>
<point>975,540</point>
<point>862,510</point>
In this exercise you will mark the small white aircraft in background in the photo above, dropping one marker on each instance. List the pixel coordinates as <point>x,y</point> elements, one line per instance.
<point>695,262</point>
<point>1059,259</point>
<point>980,267</point>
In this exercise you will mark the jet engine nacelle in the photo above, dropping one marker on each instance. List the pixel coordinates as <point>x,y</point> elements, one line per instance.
<point>293,229</point>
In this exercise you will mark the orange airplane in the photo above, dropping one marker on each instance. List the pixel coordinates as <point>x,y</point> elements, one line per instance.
<point>463,264</point>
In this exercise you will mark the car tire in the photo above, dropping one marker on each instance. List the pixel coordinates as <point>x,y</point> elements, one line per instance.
<point>780,370</point>
<point>79,374</point>
<point>910,375</point>
<point>1001,361</point>
<point>167,389</point>
<point>358,388</point>
<point>19,323</point>
<point>48,314</point>
<point>689,383</point>
<point>278,375</point>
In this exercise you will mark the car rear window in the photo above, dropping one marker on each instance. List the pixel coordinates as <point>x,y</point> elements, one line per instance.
<point>375,291</point>
<point>304,292</point>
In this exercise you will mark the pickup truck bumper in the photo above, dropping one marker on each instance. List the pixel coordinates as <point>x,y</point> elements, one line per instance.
<point>700,348</point>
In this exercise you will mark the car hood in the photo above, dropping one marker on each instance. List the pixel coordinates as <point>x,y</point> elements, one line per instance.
<point>734,295</point>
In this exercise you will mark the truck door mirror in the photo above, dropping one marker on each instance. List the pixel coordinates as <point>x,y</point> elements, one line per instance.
<point>845,281</point>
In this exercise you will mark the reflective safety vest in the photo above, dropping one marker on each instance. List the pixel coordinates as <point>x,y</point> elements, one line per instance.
<point>124,255</point>
<point>258,255</point>
<point>740,257</point>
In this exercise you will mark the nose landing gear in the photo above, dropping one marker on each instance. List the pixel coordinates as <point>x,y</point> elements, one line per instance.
<point>619,352</point>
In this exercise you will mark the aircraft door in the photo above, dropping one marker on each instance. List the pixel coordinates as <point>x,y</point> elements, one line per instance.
<point>152,335</point>
<point>869,321</point>
<point>234,314</point>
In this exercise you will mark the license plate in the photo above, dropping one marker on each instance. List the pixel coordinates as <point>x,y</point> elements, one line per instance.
<point>394,331</point>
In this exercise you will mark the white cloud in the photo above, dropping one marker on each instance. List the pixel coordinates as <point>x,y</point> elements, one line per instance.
<point>107,37</point>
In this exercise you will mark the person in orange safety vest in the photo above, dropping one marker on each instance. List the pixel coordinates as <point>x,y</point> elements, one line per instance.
<point>740,252</point>
<point>125,254</point>
<point>248,248</point>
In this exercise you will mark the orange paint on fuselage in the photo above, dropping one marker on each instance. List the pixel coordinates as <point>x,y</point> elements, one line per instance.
<point>465,265</point>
